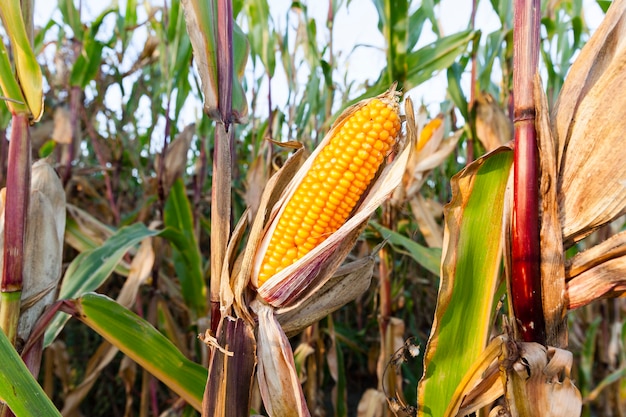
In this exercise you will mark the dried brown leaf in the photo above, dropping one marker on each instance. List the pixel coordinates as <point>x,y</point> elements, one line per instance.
<point>539,383</point>
<point>62,133</point>
<point>552,267</point>
<point>257,176</point>
<point>605,280</point>
<point>176,156</point>
<point>373,403</point>
<point>611,248</point>
<point>278,380</point>
<point>493,127</point>
<point>128,375</point>
<point>589,120</point>
<point>481,385</point>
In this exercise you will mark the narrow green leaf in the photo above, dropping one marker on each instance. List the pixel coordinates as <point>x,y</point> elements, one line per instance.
<point>144,344</point>
<point>429,258</point>
<point>88,62</point>
<point>454,89</point>
<point>470,270</point>
<point>90,269</point>
<point>127,23</point>
<point>437,56</point>
<point>71,16</point>
<point>10,87</point>
<point>423,63</point>
<point>18,388</point>
<point>393,21</point>
<point>26,65</point>
<point>178,217</point>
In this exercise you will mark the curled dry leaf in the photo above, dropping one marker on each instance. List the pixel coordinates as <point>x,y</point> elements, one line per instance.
<point>350,281</point>
<point>589,120</point>
<point>276,371</point>
<point>539,383</point>
<point>176,157</point>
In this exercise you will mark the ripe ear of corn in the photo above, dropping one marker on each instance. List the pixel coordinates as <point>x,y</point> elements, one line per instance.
<point>332,186</point>
<point>427,132</point>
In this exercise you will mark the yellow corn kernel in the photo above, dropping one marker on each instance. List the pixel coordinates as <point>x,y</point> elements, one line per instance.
<point>331,189</point>
<point>427,132</point>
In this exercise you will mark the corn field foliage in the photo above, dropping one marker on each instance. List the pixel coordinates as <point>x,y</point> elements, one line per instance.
<point>129,127</point>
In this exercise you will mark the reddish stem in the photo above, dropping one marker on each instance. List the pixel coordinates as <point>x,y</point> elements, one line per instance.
<point>526,276</point>
<point>16,207</point>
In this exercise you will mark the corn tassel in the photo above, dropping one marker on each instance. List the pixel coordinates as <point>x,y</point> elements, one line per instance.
<point>334,184</point>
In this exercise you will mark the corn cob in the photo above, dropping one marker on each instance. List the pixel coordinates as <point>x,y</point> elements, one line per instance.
<point>333,185</point>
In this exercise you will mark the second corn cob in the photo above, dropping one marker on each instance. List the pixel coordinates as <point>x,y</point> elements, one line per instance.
<point>333,185</point>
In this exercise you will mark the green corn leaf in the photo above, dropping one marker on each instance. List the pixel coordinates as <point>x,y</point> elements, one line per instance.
<point>144,344</point>
<point>261,37</point>
<point>437,56</point>
<point>71,16</point>
<point>393,20</point>
<point>18,389</point>
<point>91,268</point>
<point>454,89</point>
<point>14,98</point>
<point>88,62</point>
<point>429,258</point>
<point>187,258</point>
<point>470,270</point>
<point>201,19</point>
<point>423,63</point>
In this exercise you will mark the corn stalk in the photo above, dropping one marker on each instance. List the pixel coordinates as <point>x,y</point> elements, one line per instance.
<point>526,276</point>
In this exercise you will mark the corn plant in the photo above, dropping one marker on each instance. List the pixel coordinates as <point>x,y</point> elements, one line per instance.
<point>305,242</point>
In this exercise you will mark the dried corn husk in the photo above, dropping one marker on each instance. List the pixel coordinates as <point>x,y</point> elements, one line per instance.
<point>481,385</point>
<point>277,375</point>
<point>349,282</point>
<point>43,247</point>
